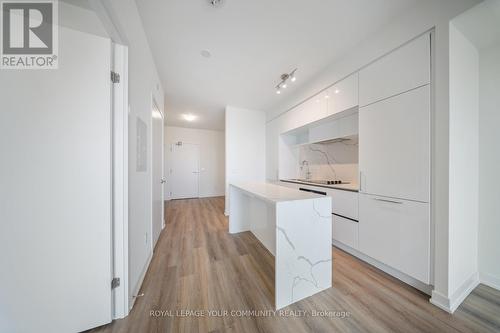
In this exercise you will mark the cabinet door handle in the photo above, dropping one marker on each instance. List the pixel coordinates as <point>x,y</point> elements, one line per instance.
<point>390,201</point>
<point>312,191</point>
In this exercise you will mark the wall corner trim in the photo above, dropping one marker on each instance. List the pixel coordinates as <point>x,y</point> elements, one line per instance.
<point>451,304</point>
<point>440,301</point>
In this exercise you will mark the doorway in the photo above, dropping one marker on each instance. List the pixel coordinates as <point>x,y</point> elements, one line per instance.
<point>185,172</point>
<point>157,178</point>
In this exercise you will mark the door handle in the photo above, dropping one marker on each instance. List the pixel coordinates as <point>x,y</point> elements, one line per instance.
<point>163,181</point>
<point>390,201</point>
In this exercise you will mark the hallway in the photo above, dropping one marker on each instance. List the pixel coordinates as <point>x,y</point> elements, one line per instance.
<point>197,265</point>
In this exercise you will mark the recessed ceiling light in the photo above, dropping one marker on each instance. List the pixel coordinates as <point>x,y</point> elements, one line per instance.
<point>206,53</point>
<point>215,3</point>
<point>189,117</point>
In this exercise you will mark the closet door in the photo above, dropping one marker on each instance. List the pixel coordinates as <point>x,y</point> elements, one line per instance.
<point>55,192</point>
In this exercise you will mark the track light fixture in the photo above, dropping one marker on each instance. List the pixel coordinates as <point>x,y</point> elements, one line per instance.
<point>284,79</point>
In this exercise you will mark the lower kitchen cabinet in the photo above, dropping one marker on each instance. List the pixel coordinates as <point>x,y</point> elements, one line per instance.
<point>345,231</point>
<point>344,203</point>
<point>397,233</point>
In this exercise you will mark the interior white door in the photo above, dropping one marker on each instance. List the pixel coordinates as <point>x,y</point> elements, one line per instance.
<point>157,175</point>
<point>185,170</point>
<point>55,193</point>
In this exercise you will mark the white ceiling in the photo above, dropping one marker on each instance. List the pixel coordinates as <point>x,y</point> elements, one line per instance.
<point>481,24</point>
<point>252,43</point>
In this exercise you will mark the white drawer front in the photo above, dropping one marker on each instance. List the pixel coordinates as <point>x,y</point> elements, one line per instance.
<point>345,231</point>
<point>397,233</point>
<point>344,203</point>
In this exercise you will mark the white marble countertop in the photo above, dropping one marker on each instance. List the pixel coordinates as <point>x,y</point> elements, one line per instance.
<point>274,193</point>
<point>353,187</point>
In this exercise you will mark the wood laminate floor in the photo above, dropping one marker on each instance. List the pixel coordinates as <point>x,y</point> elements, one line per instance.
<point>197,265</point>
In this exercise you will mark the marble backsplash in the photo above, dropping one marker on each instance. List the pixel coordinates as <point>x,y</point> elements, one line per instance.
<point>337,159</point>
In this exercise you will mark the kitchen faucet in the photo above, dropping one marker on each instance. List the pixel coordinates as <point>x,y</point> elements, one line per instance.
<point>303,164</point>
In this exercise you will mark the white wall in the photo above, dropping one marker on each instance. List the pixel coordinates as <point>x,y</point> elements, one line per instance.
<point>489,162</point>
<point>80,19</point>
<point>245,146</point>
<point>212,159</point>
<point>423,17</point>
<point>143,85</point>
<point>464,166</point>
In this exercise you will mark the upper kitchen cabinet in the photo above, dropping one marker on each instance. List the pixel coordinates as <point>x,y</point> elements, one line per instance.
<point>343,95</point>
<point>406,68</point>
<point>307,112</point>
<point>394,150</point>
<point>317,106</point>
<point>343,125</point>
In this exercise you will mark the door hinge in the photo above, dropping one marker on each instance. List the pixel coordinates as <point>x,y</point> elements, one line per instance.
<point>115,283</point>
<point>115,77</point>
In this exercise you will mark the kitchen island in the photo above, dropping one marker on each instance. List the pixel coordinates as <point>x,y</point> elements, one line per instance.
<point>295,226</point>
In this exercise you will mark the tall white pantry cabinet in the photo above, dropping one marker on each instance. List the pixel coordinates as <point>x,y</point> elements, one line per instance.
<point>394,159</point>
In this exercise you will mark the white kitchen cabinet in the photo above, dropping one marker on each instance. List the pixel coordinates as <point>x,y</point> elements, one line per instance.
<point>337,128</point>
<point>305,113</point>
<point>397,233</point>
<point>394,146</point>
<point>406,68</point>
<point>317,106</point>
<point>345,231</point>
<point>344,203</point>
<point>294,118</point>
<point>342,95</point>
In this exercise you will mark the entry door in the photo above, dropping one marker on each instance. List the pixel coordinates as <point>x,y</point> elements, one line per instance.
<point>55,192</point>
<point>185,170</point>
<point>157,177</point>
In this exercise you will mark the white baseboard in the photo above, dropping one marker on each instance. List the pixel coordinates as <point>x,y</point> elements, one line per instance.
<point>465,289</point>
<point>490,280</point>
<point>451,304</point>
<point>387,269</point>
<point>211,195</point>
<point>440,301</point>
<point>139,284</point>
